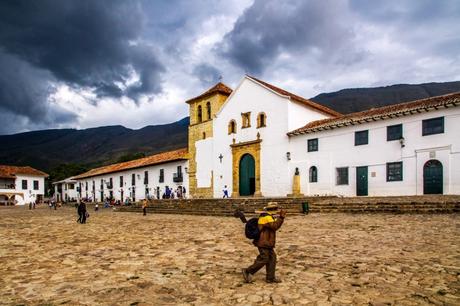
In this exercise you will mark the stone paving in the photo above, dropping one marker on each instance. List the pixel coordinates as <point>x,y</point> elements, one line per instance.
<point>323,259</point>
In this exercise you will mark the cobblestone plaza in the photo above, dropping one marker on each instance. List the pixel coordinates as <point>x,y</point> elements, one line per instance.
<point>323,259</point>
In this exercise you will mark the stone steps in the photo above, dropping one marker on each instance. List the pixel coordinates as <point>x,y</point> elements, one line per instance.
<point>226,207</point>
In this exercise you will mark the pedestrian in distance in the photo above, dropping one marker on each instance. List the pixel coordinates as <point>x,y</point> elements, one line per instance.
<point>225,191</point>
<point>96,207</point>
<point>144,206</point>
<point>82,213</point>
<point>268,222</point>
<point>79,207</point>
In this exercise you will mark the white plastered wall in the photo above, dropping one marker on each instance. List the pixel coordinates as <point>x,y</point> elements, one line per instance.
<point>204,156</point>
<point>29,194</point>
<point>337,149</point>
<point>139,187</point>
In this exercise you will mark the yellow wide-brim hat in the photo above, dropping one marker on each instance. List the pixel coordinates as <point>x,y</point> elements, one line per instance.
<point>272,208</point>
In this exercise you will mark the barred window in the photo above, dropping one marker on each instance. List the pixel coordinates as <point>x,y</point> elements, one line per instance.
<point>313,174</point>
<point>361,138</point>
<point>312,145</point>
<point>394,172</point>
<point>394,132</point>
<point>433,126</point>
<point>342,176</point>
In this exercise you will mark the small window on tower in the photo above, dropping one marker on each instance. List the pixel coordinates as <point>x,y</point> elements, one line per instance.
<point>232,127</point>
<point>261,120</point>
<point>200,114</point>
<point>208,109</point>
<point>246,119</point>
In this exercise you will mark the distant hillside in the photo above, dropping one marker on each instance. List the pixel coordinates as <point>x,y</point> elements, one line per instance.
<point>47,149</point>
<point>357,99</point>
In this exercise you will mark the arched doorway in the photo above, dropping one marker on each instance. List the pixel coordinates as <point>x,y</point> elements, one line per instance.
<point>247,175</point>
<point>432,177</point>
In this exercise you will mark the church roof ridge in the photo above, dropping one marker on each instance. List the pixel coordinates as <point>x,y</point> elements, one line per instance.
<point>218,88</point>
<point>381,113</point>
<point>299,99</point>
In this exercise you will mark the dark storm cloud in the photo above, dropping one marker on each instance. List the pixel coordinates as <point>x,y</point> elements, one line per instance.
<point>269,28</point>
<point>24,91</point>
<point>85,44</point>
<point>207,74</point>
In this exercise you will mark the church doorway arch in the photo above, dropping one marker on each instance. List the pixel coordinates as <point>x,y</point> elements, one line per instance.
<point>433,177</point>
<point>247,175</point>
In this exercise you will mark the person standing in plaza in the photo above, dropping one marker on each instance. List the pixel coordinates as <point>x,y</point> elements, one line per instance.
<point>82,212</point>
<point>268,224</point>
<point>225,191</point>
<point>144,206</point>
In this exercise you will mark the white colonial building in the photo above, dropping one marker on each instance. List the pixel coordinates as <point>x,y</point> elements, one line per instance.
<point>147,177</point>
<point>265,141</point>
<point>66,190</point>
<point>260,140</point>
<point>405,149</point>
<point>21,185</point>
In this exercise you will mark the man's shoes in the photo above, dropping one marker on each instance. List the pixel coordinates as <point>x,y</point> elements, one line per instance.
<point>274,280</point>
<point>247,276</point>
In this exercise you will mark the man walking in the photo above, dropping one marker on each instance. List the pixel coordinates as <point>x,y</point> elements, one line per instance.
<point>225,191</point>
<point>268,224</point>
<point>82,212</point>
<point>144,206</point>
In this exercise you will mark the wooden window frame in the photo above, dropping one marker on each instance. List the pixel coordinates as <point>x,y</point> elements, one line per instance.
<point>432,130</point>
<point>359,139</point>
<point>312,145</point>
<point>313,174</point>
<point>398,177</point>
<point>394,132</point>
<point>338,181</point>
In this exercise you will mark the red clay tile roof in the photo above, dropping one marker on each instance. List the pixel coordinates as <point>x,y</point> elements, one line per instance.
<point>381,113</point>
<point>12,171</point>
<point>164,157</point>
<point>298,99</point>
<point>218,88</point>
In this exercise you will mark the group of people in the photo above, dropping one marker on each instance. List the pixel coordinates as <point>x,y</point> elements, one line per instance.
<point>179,193</point>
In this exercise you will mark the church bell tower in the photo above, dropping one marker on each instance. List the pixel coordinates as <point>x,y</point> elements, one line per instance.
<point>202,111</point>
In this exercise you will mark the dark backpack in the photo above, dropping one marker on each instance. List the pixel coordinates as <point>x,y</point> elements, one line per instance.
<point>251,229</point>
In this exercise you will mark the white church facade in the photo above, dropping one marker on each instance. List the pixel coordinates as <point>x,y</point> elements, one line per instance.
<point>262,141</point>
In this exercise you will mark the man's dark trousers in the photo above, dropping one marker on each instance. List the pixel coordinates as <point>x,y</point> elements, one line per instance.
<point>266,257</point>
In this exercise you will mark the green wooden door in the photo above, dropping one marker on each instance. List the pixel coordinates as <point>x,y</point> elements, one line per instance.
<point>432,177</point>
<point>361,181</point>
<point>247,175</point>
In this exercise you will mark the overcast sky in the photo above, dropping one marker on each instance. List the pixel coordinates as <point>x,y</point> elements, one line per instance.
<point>85,63</point>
